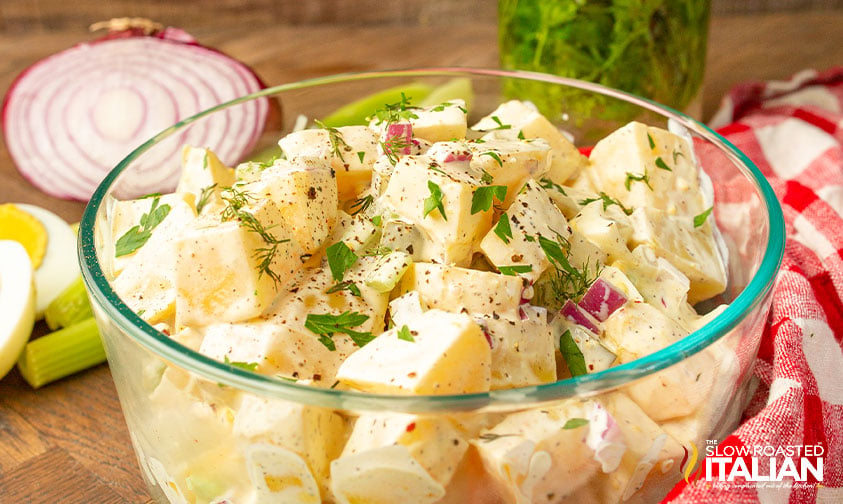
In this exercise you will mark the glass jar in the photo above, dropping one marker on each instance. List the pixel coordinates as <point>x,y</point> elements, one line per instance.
<point>655,49</point>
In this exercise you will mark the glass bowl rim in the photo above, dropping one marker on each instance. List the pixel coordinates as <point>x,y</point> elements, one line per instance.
<point>165,347</point>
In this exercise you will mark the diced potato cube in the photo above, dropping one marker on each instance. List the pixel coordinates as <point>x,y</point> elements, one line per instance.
<point>433,441</point>
<point>405,308</point>
<point>511,162</point>
<point>665,159</point>
<point>445,121</point>
<point>147,277</point>
<point>456,289</point>
<point>201,170</point>
<point>306,198</point>
<point>532,214</point>
<point>522,350</point>
<point>691,249</point>
<point>651,457</point>
<point>315,434</point>
<point>607,227</point>
<point>280,475</point>
<point>126,214</point>
<point>639,329</point>
<point>658,282</point>
<point>537,455</point>
<point>523,118</point>
<point>452,232</point>
<point>349,150</point>
<point>231,271</point>
<point>284,342</point>
<point>383,476</point>
<point>447,354</point>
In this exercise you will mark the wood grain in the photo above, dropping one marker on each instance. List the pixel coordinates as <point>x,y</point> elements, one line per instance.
<point>67,442</point>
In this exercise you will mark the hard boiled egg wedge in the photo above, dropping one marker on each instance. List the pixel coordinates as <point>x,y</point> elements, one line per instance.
<point>54,238</point>
<point>17,302</point>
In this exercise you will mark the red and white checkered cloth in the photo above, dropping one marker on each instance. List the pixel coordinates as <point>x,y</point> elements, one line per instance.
<point>793,131</point>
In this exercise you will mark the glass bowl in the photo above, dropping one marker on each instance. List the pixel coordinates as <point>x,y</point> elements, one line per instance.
<point>211,431</point>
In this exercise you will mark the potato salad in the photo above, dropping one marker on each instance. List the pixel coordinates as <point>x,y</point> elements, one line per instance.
<point>425,254</point>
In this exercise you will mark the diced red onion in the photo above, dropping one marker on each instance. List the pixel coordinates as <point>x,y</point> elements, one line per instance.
<point>573,312</point>
<point>400,135</point>
<point>602,299</point>
<point>71,117</point>
<point>605,438</point>
<point>457,156</point>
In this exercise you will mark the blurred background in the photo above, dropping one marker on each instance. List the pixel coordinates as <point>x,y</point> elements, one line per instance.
<point>21,16</point>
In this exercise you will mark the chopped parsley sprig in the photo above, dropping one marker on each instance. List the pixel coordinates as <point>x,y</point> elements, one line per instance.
<point>572,354</point>
<point>607,201</point>
<point>434,200</point>
<point>502,229</point>
<point>138,235</point>
<point>700,219</point>
<point>340,258</point>
<point>325,325</point>
<point>484,196</point>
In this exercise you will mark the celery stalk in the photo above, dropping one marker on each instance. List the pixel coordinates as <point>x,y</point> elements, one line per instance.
<point>70,307</point>
<point>61,353</point>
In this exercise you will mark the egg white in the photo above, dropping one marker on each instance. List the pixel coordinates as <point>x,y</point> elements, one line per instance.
<point>17,302</point>
<point>60,266</point>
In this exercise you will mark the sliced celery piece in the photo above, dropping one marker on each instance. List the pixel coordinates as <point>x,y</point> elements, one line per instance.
<point>70,307</point>
<point>357,111</point>
<point>61,353</point>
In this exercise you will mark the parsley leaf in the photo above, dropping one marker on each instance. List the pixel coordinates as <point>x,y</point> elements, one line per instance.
<point>607,201</point>
<point>248,366</point>
<point>484,196</point>
<point>632,177</point>
<point>138,235</point>
<point>346,285</point>
<point>515,269</point>
<point>434,201</point>
<point>699,220</point>
<point>651,142</point>
<point>405,334</point>
<point>326,325</point>
<point>574,423</point>
<point>340,258</point>
<point>494,155</point>
<point>661,164</point>
<point>502,228</point>
<point>500,124</point>
<point>549,184</point>
<point>572,354</point>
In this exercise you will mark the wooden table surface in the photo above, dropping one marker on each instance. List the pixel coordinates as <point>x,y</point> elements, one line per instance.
<point>67,442</point>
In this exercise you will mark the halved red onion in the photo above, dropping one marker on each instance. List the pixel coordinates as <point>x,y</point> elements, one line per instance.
<point>71,117</point>
<point>573,312</point>
<point>602,299</point>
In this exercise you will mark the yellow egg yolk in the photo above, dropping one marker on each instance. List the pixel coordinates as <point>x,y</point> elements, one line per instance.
<point>18,225</point>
